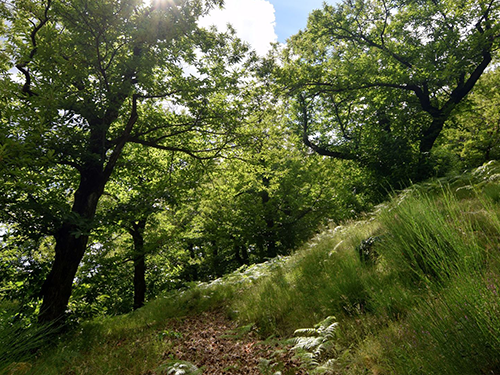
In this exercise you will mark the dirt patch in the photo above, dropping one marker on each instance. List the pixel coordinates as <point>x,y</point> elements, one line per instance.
<point>212,341</point>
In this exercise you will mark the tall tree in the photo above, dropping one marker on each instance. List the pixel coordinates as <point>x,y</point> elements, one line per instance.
<point>376,80</point>
<point>97,75</point>
<point>148,183</point>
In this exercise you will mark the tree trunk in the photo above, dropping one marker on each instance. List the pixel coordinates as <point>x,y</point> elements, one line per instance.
<point>269,234</point>
<point>71,242</point>
<point>137,232</point>
<point>244,254</point>
<point>431,134</point>
<point>57,287</point>
<point>139,281</point>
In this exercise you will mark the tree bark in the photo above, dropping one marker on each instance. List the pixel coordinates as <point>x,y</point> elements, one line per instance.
<point>71,242</point>
<point>269,234</point>
<point>244,254</point>
<point>137,232</point>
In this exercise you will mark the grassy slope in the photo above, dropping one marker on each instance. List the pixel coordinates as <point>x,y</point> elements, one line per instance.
<point>424,299</point>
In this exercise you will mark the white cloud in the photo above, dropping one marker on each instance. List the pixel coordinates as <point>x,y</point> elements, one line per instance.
<point>253,20</point>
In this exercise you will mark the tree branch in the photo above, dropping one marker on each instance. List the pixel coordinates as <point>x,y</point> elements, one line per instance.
<point>316,148</point>
<point>122,140</point>
<point>21,66</point>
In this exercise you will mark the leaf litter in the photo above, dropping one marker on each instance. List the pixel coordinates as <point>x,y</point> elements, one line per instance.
<point>217,345</point>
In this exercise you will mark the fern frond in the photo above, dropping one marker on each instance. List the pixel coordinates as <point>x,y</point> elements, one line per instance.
<point>326,322</point>
<point>314,344</point>
<point>306,332</point>
<point>324,347</point>
<point>307,343</point>
<point>327,367</point>
<point>329,332</point>
<point>330,364</point>
<point>180,368</point>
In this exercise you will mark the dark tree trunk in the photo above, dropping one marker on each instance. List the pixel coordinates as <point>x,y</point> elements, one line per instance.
<point>71,242</point>
<point>139,281</point>
<point>431,134</point>
<point>57,287</point>
<point>237,255</point>
<point>269,232</point>
<point>137,232</point>
<point>242,255</point>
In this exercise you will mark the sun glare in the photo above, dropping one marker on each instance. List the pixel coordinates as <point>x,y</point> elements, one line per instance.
<point>157,3</point>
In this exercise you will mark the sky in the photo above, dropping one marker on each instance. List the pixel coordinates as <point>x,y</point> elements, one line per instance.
<point>261,22</point>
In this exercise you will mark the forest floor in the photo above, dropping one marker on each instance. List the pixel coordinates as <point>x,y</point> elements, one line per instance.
<point>217,345</point>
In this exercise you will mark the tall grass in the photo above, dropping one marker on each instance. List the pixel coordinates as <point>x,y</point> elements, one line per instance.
<point>456,332</point>
<point>449,247</point>
<point>326,278</point>
<point>433,239</point>
<point>19,341</point>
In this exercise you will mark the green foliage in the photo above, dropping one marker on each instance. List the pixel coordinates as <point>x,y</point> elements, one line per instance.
<point>268,202</point>
<point>104,284</point>
<point>376,81</point>
<point>473,136</point>
<point>19,340</point>
<point>316,346</point>
<point>24,264</point>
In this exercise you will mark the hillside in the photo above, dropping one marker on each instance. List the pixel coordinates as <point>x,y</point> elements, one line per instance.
<point>411,288</point>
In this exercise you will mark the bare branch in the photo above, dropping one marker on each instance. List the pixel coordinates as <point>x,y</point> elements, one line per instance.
<point>316,148</point>
<point>21,66</point>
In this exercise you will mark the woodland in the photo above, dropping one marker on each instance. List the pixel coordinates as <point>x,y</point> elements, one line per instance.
<point>142,156</point>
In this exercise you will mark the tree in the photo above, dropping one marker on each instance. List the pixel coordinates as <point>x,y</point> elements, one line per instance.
<point>474,134</point>
<point>146,184</point>
<point>97,75</point>
<point>271,201</point>
<point>376,80</point>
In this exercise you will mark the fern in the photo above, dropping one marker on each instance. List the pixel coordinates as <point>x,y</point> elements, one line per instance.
<point>316,346</point>
<point>179,368</point>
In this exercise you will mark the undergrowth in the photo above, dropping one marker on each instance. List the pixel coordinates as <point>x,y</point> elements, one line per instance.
<point>413,286</point>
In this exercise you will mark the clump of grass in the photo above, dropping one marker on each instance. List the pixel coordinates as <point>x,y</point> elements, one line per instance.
<point>20,341</point>
<point>431,240</point>
<point>457,332</point>
<point>447,248</point>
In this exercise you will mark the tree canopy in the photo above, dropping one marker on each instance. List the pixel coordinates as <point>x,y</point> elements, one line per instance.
<point>97,75</point>
<point>376,81</point>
